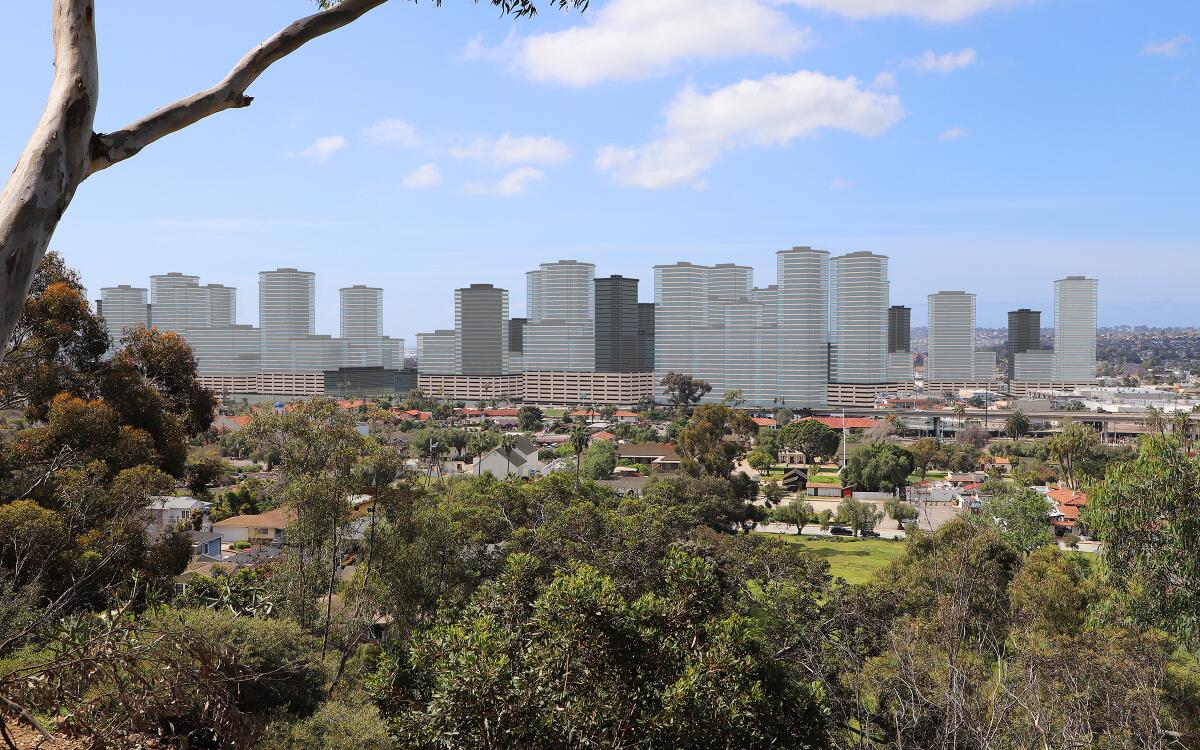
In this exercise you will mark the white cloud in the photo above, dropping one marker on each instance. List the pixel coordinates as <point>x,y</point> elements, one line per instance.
<point>938,11</point>
<point>424,176</point>
<point>392,132</point>
<point>948,62</point>
<point>769,111</point>
<point>1167,48</point>
<point>511,184</point>
<point>631,39</point>
<point>840,183</point>
<point>321,149</point>
<point>514,149</point>
<point>953,134</point>
<point>885,81</point>
<point>475,49</point>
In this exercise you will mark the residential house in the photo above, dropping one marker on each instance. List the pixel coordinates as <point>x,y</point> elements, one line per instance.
<point>1068,504</point>
<point>521,461</point>
<point>169,511</point>
<point>266,527</point>
<point>658,456</point>
<point>206,545</point>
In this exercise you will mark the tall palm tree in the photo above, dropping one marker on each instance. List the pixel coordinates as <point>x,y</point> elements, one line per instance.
<point>960,410</point>
<point>507,444</point>
<point>1181,425</point>
<point>1156,420</point>
<point>580,437</point>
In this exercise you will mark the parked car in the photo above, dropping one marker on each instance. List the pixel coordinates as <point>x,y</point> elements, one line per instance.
<point>840,531</point>
<point>874,534</point>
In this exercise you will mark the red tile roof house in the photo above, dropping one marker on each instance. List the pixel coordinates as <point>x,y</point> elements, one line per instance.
<point>1067,505</point>
<point>765,422</point>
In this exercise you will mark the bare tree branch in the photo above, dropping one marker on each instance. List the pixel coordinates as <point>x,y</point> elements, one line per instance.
<point>230,93</point>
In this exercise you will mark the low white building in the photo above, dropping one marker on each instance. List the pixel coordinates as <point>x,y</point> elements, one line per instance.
<point>168,511</point>
<point>521,461</point>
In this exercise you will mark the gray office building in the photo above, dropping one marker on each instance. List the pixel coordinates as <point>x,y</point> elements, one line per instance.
<point>1075,303</point>
<point>858,318</point>
<point>482,323</point>
<point>123,307</point>
<point>645,337</point>
<point>899,329</point>
<point>361,319</point>
<point>617,325</point>
<point>1024,334</point>
<point>287,313</point>
<point>516,344</point>
<point>436,352</point>
<point>951,355</point>
<point>222,302</point>
<point>560,333</point>
<point>178,302</point>
<point>803,335</point>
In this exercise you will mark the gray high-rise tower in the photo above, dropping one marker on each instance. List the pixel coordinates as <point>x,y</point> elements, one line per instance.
<point>617,325</point>
<point>899,328</point>
<point>1075,302</point>
<point>858,318</point>
<point>178,302</point>
<point>482,324</point>
<point>951,355</point>
<point>123,307</point>
<point>803,336</point>
<point>560,334</point>
<point>362,324</point>
<point>286,313</point>
<point>1024,334</point>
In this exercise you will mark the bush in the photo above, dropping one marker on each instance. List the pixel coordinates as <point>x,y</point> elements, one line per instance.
<point>286,661</point>
<point>336,726</point>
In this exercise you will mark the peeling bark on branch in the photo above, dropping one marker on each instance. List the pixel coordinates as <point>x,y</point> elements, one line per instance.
<point>230,93</point>
<point>54,162</point>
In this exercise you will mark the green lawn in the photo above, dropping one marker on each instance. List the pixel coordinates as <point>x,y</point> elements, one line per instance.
<point>855,560</point>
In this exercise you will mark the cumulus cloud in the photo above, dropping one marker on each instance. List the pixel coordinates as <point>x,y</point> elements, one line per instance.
<point>424,176</point>
<point>392,132</point>
<point>514,149</point>
<point>770,111</point>
<point>938,11</point>
<point>512,184</point>
<point>322,149</point>
<point>885,81</point>
<point>632,39</point>
<point>953,134</point>
<point>931,62</point>
<point>1167,48</point>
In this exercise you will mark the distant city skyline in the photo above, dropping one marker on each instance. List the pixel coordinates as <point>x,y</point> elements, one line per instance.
<point>975,148</point>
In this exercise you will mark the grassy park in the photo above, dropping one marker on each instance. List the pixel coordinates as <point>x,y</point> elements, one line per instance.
<point>854,560</point>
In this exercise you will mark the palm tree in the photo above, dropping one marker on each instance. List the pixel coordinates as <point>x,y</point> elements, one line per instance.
<point>580,437</point>
<point>1181,425</point>
<point>1016,426</point>
<point>960,410</point>
<point>506,446</point>
<point>1156,420</point>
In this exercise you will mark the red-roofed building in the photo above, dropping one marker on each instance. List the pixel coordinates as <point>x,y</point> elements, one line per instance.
<point>603,436</point>
<point>1067,505</point>
<point>849,423</point>
<point>767,422</point>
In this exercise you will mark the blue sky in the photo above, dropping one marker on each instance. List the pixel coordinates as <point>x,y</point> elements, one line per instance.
<point>985,145</point>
